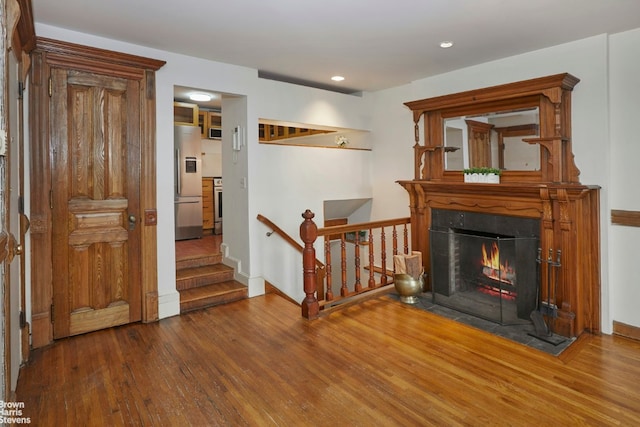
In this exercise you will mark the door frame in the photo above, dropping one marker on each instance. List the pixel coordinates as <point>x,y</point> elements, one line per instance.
<point>53,53</point>
<point>18,28</point>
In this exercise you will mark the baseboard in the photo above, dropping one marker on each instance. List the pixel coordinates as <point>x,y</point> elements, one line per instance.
<point>270,289</point>
<point>168,305</point>
<point>625,330</point>
<point>255,285</point>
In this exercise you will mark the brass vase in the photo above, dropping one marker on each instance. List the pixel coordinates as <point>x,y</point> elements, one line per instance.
<point>408,288</point>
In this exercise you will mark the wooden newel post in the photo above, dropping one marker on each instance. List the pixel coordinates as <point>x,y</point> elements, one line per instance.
<point>309,234</point>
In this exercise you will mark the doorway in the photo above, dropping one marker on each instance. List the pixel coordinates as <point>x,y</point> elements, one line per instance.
<point>202,108</point>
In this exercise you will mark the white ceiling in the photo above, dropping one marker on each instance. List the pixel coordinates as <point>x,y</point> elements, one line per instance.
<point>374,44</point>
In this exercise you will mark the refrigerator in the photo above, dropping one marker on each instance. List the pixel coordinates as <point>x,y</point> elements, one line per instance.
<point>187,182</point>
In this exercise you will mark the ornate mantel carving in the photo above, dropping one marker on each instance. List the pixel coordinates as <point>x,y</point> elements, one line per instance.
<point>568,211</point>
<point>552,95</point>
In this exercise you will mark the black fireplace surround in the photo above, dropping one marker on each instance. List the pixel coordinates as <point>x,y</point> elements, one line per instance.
<point>506,293</point>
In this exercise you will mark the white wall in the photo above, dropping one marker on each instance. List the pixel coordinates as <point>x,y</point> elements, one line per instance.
<point>624,98</point>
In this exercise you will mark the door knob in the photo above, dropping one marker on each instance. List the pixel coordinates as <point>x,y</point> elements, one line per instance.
<point>132,222</point>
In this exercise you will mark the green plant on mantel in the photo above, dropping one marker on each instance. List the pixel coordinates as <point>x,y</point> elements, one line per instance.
<point>482,171</point>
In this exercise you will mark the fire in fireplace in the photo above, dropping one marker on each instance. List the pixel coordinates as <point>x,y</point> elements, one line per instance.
<point>485,265</point>
<point>498,276</point>
<point>493,268</point>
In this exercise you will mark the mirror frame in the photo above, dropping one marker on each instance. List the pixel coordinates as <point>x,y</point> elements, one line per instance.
<point>552,96</point>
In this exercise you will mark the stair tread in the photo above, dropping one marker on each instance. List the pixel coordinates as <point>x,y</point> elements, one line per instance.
<point>212,289</point>
<point>187,262</point>
<point>201,271</point>
<point>211,295</point>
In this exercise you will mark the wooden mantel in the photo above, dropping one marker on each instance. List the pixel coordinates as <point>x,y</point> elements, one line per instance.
<point>568,211</point>
<point>569,222</point>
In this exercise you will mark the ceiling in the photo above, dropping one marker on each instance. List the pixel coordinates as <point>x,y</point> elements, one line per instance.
<point>373,44</point>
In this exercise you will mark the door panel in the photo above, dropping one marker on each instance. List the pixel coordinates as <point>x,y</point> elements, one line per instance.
<point>95,197</point>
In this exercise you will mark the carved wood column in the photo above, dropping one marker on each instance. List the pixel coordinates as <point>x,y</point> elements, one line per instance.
<point>568,292</point>
<point>420,223</point>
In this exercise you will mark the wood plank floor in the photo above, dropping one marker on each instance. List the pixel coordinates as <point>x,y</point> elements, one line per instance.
<point>256,362</point>
<point>207,245</point>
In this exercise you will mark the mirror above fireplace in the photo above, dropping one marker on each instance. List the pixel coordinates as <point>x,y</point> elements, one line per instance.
<point>494,140</point>
<point>523,128</point>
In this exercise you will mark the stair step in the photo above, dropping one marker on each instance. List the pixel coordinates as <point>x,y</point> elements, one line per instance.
<point>194,277</point>
<point>198,261</point>
<point>211,295</point>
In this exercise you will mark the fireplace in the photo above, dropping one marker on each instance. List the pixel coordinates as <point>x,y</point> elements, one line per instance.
<point>540,183</point>
<point>485,265</point>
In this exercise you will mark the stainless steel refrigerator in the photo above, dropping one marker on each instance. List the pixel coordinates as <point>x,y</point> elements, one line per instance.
<point>187,182</point>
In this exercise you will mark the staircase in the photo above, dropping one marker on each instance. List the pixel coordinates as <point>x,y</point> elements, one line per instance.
<point>203,281</point>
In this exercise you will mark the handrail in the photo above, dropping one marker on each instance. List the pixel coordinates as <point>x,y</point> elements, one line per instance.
<point>348,228</point>
<point>280,232</point>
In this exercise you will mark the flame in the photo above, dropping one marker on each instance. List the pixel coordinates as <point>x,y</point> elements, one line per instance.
<point>493,268</point>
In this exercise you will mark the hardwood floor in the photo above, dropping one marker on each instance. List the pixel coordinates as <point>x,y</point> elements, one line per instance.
<point>193,248</point>
<point>257,362</point>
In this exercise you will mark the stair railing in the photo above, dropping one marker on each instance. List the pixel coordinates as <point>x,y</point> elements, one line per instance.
<point>348,242</point>
<point>319,266</point>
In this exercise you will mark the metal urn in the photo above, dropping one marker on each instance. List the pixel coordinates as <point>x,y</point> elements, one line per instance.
<point>408,287</point>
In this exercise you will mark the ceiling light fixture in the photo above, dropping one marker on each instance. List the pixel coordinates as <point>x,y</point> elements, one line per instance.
<point>202,97</point>
<point>337,78</point>
<point>446,44</point>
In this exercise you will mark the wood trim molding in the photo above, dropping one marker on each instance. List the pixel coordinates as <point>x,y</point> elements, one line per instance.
<point>626,218</point>
<point>547,86</point>
<point>4,246</point>
<point>111,57</point>
<point>625,330</point>
<point>271,289</point>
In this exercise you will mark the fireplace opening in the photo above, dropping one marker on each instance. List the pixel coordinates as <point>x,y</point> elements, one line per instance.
<point>485,265</point>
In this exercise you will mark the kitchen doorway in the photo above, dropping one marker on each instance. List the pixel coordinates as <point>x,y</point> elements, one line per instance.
<point>205,112</point>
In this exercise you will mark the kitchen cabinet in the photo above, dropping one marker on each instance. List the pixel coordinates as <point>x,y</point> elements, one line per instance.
<point>215,119</point>
<point>207,205</point>
<point>207,120</point>
<point>203,122</point>
<point>185,113</point>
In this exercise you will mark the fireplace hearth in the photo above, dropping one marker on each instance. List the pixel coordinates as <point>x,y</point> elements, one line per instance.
<point>485,264</point>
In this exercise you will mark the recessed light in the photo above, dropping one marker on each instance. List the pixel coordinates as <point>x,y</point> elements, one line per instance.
<point>203,97</point>
<point>337,78</point>
<point>446,44</point>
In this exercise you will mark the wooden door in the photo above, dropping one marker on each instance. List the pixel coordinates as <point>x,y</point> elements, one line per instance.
<point>95,147</point>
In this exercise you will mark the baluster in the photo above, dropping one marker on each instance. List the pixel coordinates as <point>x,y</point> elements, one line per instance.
<point>308,234</point>
<point>372,280</point>
<point>406,239</point>
<point>358,285</point>
<point>383,249</point>
<point>395,240</point>
<point>344,291</point>
<point>327,257</point>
